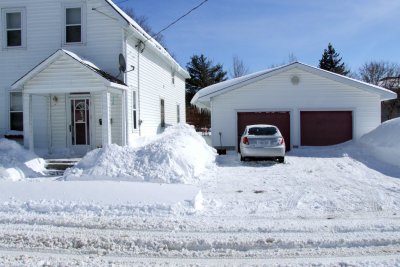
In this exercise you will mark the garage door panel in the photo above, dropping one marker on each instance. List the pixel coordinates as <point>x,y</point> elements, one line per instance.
<point>279,119</point>
<point>324,128</point>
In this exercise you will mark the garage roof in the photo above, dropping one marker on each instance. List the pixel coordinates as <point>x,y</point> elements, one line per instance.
<point>203,97</point>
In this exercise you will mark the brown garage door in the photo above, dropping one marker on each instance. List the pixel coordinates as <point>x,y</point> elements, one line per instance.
<point>279,119</point>
<point>324,128</point>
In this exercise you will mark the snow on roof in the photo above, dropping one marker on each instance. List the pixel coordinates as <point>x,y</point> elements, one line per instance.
<point>148,39</point>
<point>203,97</point>
<point>93,67</point>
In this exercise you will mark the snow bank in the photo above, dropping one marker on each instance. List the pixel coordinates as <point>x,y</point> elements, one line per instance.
<point>16,163</point>
<point>99,197</point>
<point>384,142</point>
<point>179,155</point>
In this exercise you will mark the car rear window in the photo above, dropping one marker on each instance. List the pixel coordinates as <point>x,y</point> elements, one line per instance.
<point>262,131</point>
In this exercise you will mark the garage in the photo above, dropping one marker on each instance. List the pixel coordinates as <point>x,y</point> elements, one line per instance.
<point>311,106</point>
<point>325,128</point>
<point>279,119</point>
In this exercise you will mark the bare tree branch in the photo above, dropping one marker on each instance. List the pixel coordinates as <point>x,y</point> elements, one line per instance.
<point>238,68</point>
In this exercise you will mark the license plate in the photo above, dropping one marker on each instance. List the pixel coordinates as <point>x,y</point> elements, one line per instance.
<point>262,143</point>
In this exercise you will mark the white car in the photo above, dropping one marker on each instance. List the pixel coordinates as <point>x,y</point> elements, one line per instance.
<point>262,140</point>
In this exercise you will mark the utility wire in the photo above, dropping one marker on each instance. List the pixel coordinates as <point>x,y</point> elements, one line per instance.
<point>178,19</point>
<point>119,2</point>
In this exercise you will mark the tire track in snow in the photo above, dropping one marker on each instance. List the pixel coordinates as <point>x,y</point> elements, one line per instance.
<point>60,259</point>
<point>196,244</point>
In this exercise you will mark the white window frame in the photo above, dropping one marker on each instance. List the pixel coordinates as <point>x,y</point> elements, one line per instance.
<point>173,78</point>
<point>178,113</point>
<point>4,13</point>
<point>162,113</point>
<point>82,6</point>
<point>134,111</point>
<point>15,111</point>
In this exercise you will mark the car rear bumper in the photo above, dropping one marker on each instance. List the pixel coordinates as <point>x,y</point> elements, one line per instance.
<point>247,151</point>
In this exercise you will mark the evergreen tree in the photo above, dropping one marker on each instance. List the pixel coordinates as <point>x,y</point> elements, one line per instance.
<point>332,61</point>
<point>203,73</point>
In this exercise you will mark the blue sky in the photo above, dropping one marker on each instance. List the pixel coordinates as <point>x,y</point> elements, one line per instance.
<point>264,32</point>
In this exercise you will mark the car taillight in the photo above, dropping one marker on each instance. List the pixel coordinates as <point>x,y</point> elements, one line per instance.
<point>281,141</point>
<point>245,140</point>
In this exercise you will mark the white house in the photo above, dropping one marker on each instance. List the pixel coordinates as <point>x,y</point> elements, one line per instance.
<point>312,107</point>
<point>60,79</point>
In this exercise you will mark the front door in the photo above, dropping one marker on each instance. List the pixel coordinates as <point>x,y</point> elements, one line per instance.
<point>80,125</point>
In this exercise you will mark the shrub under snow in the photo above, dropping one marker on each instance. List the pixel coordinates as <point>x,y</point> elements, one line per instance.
<point>384,142</point>
<point>17,163</point>
<point>178,155</point>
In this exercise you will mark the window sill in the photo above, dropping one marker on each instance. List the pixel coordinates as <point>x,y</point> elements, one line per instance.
<point>6,48</point>
<point>74,44</point>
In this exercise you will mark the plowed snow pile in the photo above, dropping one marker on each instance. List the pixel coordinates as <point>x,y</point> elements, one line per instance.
<point>17,163</point>
<point>179,155</point>
<point>384,142</point>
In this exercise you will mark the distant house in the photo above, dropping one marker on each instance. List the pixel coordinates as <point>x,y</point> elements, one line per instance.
<point>312,107</point>
<point>61,84</point>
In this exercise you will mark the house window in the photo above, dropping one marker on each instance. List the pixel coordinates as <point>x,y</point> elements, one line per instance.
<point>14,27</point>
<point>162,110</point>
<point>178,113</point>
<point>16,114</point>
<point>74,24</point>
<point>134,110</point>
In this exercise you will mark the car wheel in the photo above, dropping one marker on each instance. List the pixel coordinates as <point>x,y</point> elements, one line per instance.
<point>281,159</point>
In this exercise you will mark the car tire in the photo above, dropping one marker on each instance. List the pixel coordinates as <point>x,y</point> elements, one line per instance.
<point>281,159</point>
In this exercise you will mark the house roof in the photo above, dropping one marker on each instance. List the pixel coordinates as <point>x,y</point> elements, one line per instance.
<point>203,97</point>
<point>145,37</point>
<point>108,78</point>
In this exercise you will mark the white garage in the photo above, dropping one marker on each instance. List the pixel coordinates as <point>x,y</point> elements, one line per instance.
<point>312,107</point>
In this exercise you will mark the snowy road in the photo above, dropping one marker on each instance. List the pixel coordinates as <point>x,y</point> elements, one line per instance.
<point>332,206</point>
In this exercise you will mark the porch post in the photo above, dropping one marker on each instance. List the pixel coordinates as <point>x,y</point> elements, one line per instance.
<point>106,129</point>
<point>27,121</point>
<point>124,116</point>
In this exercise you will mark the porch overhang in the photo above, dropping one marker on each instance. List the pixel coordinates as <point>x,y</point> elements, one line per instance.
<point>71,85</point>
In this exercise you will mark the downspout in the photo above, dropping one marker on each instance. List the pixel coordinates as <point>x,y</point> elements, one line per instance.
<point>139,51</point>
<point>125,93</point>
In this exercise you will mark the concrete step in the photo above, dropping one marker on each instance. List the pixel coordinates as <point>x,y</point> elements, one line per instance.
<point>56,167</point>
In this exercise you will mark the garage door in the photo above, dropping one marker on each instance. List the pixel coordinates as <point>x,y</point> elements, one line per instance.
<point>324,128</point>
<point>279,119</point>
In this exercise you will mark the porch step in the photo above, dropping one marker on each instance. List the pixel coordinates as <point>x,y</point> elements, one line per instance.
<point>56,167</point>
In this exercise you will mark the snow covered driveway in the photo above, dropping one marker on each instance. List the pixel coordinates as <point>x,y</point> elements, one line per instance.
<point>330,206</point>
<point>339,181</point>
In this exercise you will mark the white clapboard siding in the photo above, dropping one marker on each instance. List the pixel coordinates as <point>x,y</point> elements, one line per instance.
<point>59,122</point>
<point>277,93</point>
<point>65,75</point>
<point>116,119</point>
<point>104,41</point>
<point>155,76</point>
<point>40,115</point>
<point>96,117</point>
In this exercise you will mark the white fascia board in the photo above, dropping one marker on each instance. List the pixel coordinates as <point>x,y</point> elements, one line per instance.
<point>63,91</point>
<point>117,86</point>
